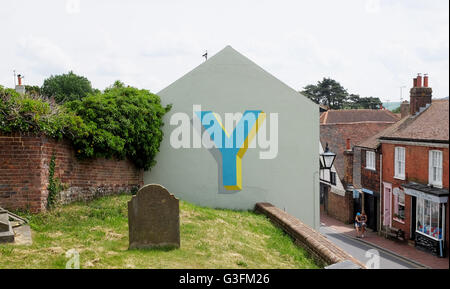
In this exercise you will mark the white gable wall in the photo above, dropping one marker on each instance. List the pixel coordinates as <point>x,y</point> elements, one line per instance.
<point>227,83</point>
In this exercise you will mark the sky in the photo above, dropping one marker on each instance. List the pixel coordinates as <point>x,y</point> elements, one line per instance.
<point>372,47</point>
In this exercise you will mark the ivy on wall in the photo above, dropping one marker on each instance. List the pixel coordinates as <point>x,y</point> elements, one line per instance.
<point>121,122</point>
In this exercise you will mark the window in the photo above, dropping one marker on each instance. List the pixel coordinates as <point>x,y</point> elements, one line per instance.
<point>370,160</point>
<point>399,164</point>
<point>429,216</point>
<point>399,204</point>
<point>333,178</point>
<point>435,168</point>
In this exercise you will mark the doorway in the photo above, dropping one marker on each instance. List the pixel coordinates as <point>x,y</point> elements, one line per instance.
<point>387,204</point>
<point>413,218</point>
<point>371,209</point>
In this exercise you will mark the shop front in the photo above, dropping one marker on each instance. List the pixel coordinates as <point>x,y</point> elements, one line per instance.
<point>428,217</point>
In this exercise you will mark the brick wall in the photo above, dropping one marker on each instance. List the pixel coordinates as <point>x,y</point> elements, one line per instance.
<point>416,170</point>
<point>24,171</point>
<point>341,207</point>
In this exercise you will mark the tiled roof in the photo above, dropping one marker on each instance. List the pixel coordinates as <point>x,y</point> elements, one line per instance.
<point>337,134</point>
<point>373,141</point>
<point>430,125</point>
<point>358,115</point>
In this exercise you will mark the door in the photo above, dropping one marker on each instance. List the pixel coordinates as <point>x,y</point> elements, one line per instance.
<point>387,220</point>
<point>413,218</point>
<point>370,207</point>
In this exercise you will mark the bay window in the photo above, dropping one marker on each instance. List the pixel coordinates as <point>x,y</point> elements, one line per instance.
<point>429,218</point>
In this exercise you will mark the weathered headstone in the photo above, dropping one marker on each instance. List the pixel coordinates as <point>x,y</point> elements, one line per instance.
<point>6,231</point>
<point>153,218</point>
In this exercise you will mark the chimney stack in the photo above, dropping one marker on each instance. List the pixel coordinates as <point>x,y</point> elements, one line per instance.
<point>348,161</point>
<point>420,96</point>
<point>404,109</point>
<point>20,88</point>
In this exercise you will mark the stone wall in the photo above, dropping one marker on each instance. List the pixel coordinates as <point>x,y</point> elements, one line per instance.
<point>24,172</point>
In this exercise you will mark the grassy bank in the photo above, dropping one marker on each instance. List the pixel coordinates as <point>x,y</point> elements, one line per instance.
<point>99,232</point>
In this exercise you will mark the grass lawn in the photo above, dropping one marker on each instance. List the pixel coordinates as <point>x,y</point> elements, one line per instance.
<point>99,232</point>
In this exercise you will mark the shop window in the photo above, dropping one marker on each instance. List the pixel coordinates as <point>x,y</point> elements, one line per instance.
<point>435,168</point>
<point>429,216</point>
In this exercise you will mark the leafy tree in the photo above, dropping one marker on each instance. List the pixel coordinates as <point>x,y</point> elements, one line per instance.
<point>66,87</point>
<point>331,93</point>
<point>328,92</point>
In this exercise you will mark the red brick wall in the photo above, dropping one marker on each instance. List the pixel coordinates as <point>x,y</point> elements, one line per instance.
<point>20,172</point>
<point>341,207</point>
<point>24,171</point>
<point>416,170</point>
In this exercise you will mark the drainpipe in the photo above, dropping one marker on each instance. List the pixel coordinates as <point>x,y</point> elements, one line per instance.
<point>381,192</point>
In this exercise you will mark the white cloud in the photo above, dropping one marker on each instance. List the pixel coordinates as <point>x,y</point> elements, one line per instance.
<point>372,47</point>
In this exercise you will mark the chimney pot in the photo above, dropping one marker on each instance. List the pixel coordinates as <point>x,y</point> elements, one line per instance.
<point>425,80</point>
<point>419,80</point>
<point>414,82</point>
<point>347,144</point>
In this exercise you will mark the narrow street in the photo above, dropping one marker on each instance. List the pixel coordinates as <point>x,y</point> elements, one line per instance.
<point>359,249</point>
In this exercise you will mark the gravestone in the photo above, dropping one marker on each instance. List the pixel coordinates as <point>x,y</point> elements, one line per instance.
<point>153,218</point>
<point>6,231</point>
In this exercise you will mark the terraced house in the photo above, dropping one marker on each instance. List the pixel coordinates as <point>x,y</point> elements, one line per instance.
<point>415,172</point>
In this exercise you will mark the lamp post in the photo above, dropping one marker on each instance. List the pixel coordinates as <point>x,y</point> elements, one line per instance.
<point>327,159</point>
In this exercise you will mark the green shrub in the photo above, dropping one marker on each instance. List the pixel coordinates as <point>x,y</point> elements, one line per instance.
<point>124,122</point>
<point>27,113</point>
<point>121,122</point>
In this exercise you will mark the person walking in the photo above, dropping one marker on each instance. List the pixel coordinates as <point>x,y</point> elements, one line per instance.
<point>358,224</point>
<point>363,219</point>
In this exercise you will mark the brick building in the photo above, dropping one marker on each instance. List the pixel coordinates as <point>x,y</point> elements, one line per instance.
<point>415,172</point>
<point>368,168</point>
<point>342,129</point>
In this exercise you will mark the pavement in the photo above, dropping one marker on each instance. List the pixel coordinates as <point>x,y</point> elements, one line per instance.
<point>391,254</point>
